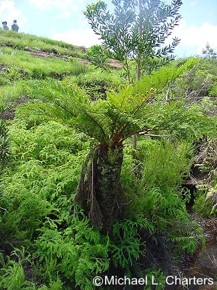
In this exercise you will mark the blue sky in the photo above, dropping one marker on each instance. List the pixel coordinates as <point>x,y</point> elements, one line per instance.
<point>64,20</point>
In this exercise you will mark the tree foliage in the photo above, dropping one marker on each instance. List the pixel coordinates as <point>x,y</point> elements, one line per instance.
<point>132,109</point>
<point>136,30</point>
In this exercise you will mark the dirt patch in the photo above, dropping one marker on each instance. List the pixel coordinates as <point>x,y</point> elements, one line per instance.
<point>43,54</point>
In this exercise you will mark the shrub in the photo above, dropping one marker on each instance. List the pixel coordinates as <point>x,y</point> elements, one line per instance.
<point>77,254</point>
<point>12,276</point>
<point>165,164</point>
<point>97,55</point>
<point>126,244</point>
<point>167,211</point>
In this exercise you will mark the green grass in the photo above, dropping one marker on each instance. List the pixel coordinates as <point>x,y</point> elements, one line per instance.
<point>20,64</point>
<point>95,83</point>
<point>24,41</point>
<point>10,93</point>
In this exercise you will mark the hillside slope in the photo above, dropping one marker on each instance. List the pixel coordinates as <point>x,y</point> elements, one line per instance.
<point>26,42</point>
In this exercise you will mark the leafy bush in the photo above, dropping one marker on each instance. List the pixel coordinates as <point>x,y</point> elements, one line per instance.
<point>22,214</point>
<point>167,212</point>
<point>12,276</point>
<point>97,55</point>
<point>51,142</point>
<point>165,164</point>
<point>126,243</point>
<point>41,182</point>
<point>77,254</point>
<point>185,122</point>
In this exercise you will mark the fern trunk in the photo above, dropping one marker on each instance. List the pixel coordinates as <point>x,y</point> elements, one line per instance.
<point>99,191</point>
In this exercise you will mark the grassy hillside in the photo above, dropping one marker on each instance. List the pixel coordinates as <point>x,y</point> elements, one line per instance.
<point>22,41</point>
<point>56,113</point>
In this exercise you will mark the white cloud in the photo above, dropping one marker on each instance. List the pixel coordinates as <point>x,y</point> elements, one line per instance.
<point>195,38</point>
<point>9,12</point>
<point>193,3</point>
<point>66,7</point>
<point>81,37</point>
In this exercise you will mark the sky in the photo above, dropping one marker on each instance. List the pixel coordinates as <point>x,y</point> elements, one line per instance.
<point>64,20</point>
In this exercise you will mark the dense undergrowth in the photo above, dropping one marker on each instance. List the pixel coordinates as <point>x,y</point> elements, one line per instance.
<point>49,109</point>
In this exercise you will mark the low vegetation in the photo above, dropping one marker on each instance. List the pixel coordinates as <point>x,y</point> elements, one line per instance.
<point>65,131</point>
<point>33,43</point>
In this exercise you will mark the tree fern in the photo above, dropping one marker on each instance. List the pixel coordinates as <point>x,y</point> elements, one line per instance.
<point>109,122</point>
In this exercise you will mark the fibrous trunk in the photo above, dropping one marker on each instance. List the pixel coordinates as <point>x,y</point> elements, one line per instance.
<point>99,191</point>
